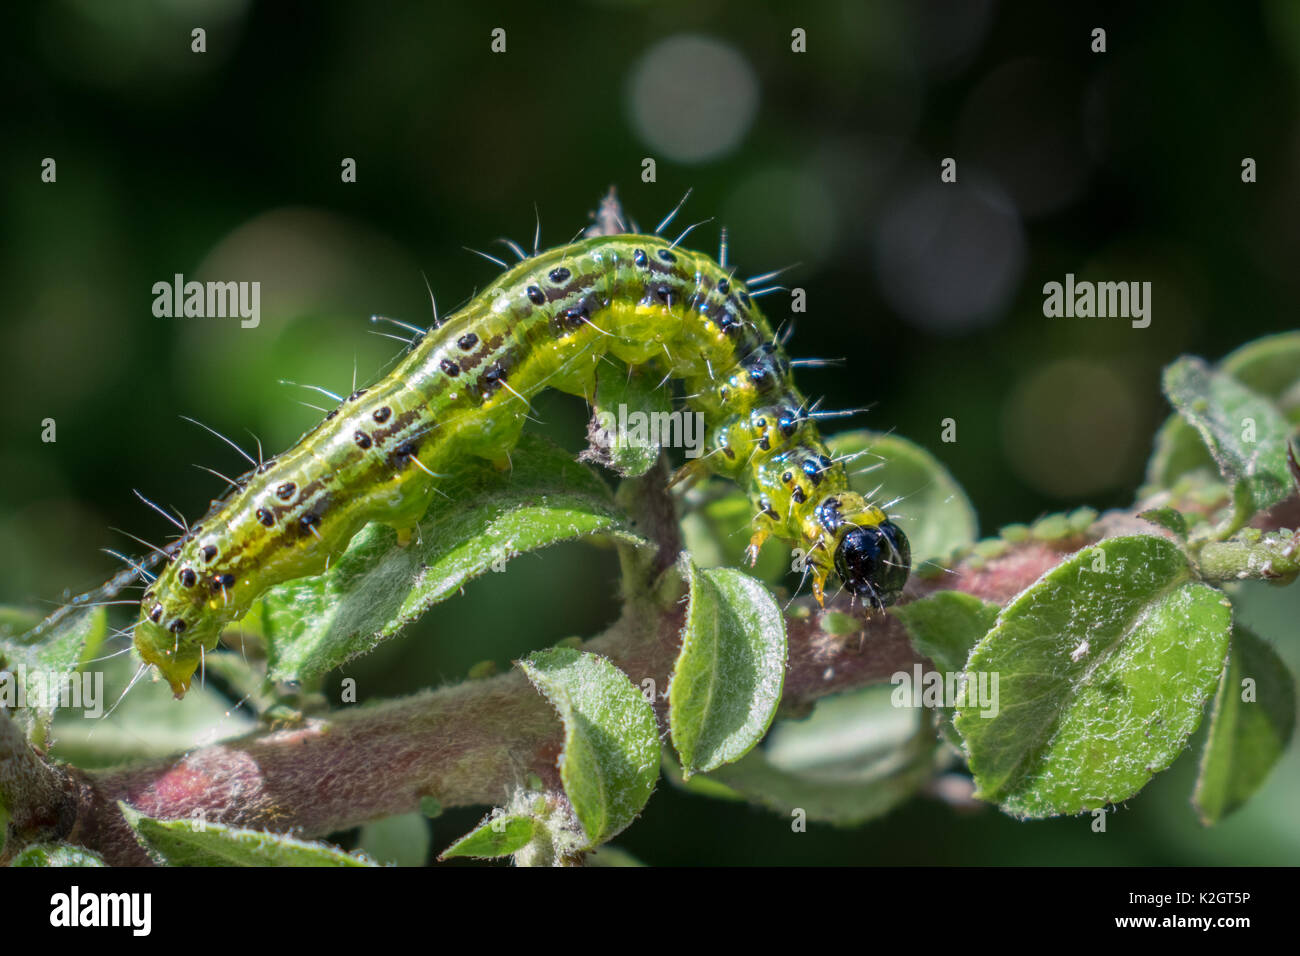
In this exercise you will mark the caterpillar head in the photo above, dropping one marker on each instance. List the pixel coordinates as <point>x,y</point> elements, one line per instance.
<point>872,556</point>
<point>172,633</point>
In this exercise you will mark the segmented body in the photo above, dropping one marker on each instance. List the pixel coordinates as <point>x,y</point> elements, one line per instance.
<point>463,391</point>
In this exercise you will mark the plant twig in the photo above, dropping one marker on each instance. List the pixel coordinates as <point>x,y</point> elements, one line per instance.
<point>469,744</point>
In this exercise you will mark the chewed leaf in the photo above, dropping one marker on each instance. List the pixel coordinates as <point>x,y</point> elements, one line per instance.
<point>57,854</point>
<point>1269,367</point>
<point>37,667</point>
<point>935,513</point>
<point>610,760</point>
<point>196,843</point>
<point>1103,668</point>
<point>377,587</point>
<point>629,418</point>
<point>727,681</point>
<point>499,835</point>
<point>1251,725</point>
<point>1245,432</point>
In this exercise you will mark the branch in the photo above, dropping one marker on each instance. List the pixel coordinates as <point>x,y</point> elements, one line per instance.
<point>463,745</point>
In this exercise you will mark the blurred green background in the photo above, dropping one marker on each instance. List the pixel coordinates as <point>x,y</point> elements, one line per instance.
<point>1117,166</point>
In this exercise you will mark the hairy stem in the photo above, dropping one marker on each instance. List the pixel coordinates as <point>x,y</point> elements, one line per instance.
<point>470,744</point>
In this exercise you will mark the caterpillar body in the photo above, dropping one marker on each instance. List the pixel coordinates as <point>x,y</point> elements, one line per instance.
<point>463,390</point>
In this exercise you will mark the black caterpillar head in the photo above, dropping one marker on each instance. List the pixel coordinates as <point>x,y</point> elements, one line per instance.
<point>873,561</point>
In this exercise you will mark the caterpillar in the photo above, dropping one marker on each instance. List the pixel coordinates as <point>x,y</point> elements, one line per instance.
<point>463,390</point>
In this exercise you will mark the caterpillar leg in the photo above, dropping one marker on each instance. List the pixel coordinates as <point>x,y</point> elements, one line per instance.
<point>689,474</point>
<point>756,545</point>
<point>405,536</point>
<point>818,585</point>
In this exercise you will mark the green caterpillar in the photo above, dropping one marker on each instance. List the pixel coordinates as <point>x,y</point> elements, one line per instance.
<point>463,390</point>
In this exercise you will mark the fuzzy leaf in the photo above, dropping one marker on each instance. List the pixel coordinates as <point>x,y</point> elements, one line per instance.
<point>1171,519</point>
<point>499,835</point>
<point>1269,367</point>
<point>946,626</point>
<point>57,854</point>
<point>727,681</point>
<point>189,843</point>
<point>39,664</point>
<point>610,760</point>
<point>1104,667</point>
<point>1244,431</point>
<point>1247,737</point>
<point>377,587</point>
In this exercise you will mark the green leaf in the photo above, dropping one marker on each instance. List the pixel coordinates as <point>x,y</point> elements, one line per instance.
<point>41,660</point>
<point>610,759</point>
<point>1171,519</point>
<point>1250,727</point>
<point>1270,367</point>
<point>147,723</point>
<point>1245,432</point>
<point>702,784</point>
<point>629,416</point>
<point>717,526</point>
<point>1103,668</point>
<point>57,854</point>
<point>855,758</point>
<point>937,517</point>
<point>946,626</point>
<point>401,840</point>
<point>499,835</point>
<point>487,516</point>
<point>727,681</point>
<point>195,843</point>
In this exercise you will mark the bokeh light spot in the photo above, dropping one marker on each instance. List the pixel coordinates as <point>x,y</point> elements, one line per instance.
<point>949,255</point>
<point>1069,428</point>
<point>692,98</point>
